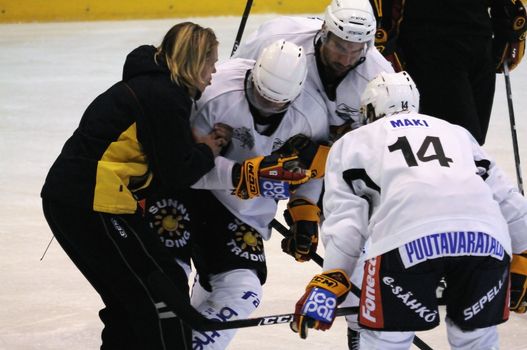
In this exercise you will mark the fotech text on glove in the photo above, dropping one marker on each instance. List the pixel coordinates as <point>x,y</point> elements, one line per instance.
<point>316,308</point>
<point>271,176</point>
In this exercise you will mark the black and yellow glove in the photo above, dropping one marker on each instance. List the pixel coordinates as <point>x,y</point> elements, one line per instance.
<point>509,25</point>
<point>316,308</point>
<point>519,283</point>
<point>389,15</point>
<point>389,49</point>
<point>303,217</point>
<point>311,155</point>
<point>270,176</point>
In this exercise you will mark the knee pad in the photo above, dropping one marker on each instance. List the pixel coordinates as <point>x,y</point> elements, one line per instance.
<point>235,294</point>
<point>479,338</point>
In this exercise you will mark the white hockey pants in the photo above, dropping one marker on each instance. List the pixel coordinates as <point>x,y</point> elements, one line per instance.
<point>235,295</point>
<point>478,339</point>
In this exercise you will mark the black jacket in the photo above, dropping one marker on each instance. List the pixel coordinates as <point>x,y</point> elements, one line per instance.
<point>446,18</point>
<point>134,135</point>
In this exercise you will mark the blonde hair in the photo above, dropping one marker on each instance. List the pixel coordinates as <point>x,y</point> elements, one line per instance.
<point>186,47</point>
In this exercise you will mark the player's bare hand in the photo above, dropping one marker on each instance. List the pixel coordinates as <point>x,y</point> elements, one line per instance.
<point>215,143</point>
<point>223,132</point>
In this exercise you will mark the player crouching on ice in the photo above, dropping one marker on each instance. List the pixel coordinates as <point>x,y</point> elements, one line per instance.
<point>432,203</point>
<point>272,110</point>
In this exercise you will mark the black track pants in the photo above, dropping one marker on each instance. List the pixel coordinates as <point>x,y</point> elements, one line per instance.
<point>455,78</point>
<point>116,254</point>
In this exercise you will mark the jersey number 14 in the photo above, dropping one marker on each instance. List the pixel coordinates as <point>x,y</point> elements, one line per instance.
<point>433,142</point>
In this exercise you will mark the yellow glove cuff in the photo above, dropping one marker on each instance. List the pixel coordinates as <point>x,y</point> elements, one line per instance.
<point>336,281</point>
<point>249,179</point>
<point>302,209</point>
<point>318,165</point>
<point>519,264</point>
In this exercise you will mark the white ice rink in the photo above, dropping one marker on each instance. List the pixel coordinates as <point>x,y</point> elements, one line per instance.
<point>49,73</point>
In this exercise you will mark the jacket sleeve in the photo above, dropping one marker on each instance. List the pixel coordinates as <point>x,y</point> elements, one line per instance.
<point>165,133</point>
<point>219,178</point>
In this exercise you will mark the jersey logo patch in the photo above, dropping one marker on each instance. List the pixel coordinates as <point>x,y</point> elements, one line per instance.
<point>320,305</point>
<point>247,242</point>
<point>245,137</point>
<point>450,244</point>
<point>170,219</point>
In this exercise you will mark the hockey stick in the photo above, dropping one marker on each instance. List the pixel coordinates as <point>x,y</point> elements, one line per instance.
<point>241,28</point>
<point>284,231</point>
<point>277,225</point>
<point>165,289</point>
<point>513,126</point>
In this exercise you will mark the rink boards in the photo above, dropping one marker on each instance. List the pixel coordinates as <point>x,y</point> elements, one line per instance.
<point>12,11</point>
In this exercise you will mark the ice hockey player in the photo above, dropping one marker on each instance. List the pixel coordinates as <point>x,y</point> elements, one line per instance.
<point>431,202</point>
<point>340,54</point>
<point>341,60</point>
<point>453,51</point>
<point>271,108</point>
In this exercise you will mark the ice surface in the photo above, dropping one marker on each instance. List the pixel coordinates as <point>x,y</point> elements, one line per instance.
<point>49,73</point>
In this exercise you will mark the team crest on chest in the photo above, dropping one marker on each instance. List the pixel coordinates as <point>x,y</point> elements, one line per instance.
<point>171,221</point>
<point>245,137</point>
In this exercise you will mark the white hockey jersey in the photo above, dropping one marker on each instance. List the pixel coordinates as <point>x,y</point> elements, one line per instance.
<point>304,31</point>
<point>408,176</point>
<point>225,102</point>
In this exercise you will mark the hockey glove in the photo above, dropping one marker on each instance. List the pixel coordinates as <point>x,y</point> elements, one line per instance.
<point>388,48</point>
<point>389,15</point>
<point>316,308</point>
<point>311,155</point>
<point>270,176</point>
<point>508,22</point>
<point>519,282</point>
<point>303,218</point>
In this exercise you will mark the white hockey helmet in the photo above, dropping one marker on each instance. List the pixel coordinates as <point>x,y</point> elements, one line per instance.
<point>351,20</point>
<point>389,93</point>
<point>280,72</point>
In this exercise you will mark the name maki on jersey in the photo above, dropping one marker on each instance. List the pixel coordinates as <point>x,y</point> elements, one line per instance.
<point>450,244</point>
<point>399,123</point>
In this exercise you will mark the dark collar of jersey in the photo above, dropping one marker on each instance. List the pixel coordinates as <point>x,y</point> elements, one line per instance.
<point>329,81</point>
<point>271,121</point>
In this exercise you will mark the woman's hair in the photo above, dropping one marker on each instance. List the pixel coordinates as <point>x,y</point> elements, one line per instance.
<point>186,47</point>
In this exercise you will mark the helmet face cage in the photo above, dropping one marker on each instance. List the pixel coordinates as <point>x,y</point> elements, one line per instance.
<point>280,72</point>
<point>351,20</point>
<point>389,93</point>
